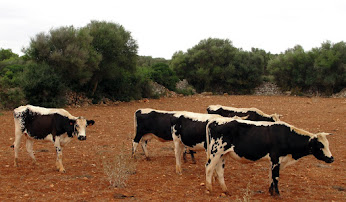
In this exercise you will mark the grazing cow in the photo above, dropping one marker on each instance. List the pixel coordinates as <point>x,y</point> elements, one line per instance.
<point>56,125</point>
<point>278,142</point>
<point>189,131</point>
<point>253,114</point>
<point>152,123</point>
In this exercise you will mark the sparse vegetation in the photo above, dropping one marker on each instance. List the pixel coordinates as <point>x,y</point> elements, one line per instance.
<point>118,168</point>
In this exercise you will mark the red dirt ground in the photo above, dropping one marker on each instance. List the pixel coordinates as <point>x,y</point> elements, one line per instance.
<point>85,179</point>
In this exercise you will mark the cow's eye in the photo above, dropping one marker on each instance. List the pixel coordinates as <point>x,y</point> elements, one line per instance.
<point>77,126</point>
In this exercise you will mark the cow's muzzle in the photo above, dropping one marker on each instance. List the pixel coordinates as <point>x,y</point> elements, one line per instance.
<point>330,160</point>
<point>81,137</point>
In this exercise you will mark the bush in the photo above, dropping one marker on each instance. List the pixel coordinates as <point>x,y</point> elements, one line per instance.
<point>162,74</point>
<point>216,65</point>
<point>42,86</point>
<point>321,69</point>
<point>11,95</point>
<point>11,98</point>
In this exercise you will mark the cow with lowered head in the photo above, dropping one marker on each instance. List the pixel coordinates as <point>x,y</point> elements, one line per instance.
<point>252,114</point>
<point>55,125</point>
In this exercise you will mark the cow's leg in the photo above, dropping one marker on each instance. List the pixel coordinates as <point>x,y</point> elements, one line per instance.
<point>220,168</point>
<point>138,137</point>
<point>30,149</point>
<point>178,150</point>
<point>184,155</point>
<point>58,148</point>
<point>275,168</point>
<point>210,168</point>
<point>134,147</point>
<point>192,156</point>
<point>145,150</point>
<point>191,152</point>
<point>16,144</point>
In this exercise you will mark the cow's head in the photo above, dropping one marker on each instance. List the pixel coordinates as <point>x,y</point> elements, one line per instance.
<point>319,146</point>
<point>80,125</point>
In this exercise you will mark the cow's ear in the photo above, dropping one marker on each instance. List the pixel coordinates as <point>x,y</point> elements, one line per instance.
<point>90,122</point>
<point>71,122</point>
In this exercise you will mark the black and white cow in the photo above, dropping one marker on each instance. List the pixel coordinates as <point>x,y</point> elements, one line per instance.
<point>189,130</point>
<point>56,125</point>
<point>278,142</point>
<point>253,114</point>
<point>152,123</point>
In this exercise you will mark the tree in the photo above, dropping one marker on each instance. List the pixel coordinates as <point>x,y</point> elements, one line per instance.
<point>6,54</point>
<point>216,65</point>
<point>321,69</point>
<point>42,86</point>
<point>330,67</point>
<point>11,69</point>
<point>162,74</point>
<point>118,50</point>
<point>69,52</point>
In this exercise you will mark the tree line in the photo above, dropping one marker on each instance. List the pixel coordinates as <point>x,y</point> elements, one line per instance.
<point>100,60</point>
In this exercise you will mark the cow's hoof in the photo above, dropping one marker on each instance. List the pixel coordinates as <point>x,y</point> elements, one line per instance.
<point>207,191</point>
<point>147,158</point>
<point>15,162</point>
<point>209,187</point>
<point>62,170</point>
<point>274,192</point>
<point>224,194</point>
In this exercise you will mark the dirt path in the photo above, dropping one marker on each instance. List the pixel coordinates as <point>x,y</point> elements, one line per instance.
<point>85,180</point>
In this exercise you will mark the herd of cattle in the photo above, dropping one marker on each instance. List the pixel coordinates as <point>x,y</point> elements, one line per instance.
<point>245,134</point>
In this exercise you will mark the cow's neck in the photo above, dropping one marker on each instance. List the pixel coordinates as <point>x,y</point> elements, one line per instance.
<point>299,145</point>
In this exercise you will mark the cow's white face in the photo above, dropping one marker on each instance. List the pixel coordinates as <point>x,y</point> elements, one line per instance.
<point>320,148</point>
<point>80,127</point>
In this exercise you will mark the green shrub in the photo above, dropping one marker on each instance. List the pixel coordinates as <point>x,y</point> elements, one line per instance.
<point>11,98</point>
<point>162,74</point>
<point>42,86</point>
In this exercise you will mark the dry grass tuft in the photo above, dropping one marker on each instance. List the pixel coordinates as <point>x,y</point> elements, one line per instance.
<point>118,167</point>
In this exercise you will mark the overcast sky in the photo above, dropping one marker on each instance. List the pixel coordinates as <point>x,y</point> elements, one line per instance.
<point>162,27</point>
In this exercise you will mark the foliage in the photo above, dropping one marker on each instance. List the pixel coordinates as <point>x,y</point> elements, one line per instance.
<point>11,95</point>
<point>162,74</point>
<point>119,55</point>
<point>125,87</point>
<point>216,65</point>
<point>148,61</point>
<point>11,98</point>
<point>321,69</point>
<point>42,86</point>
<point>7,54</point>
<point>69,52</point>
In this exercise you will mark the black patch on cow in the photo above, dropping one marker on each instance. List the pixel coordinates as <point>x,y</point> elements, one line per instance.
<point>39,126</point>
<point>209,160</point>
<point>154,122</point>
<point>191,132</point>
